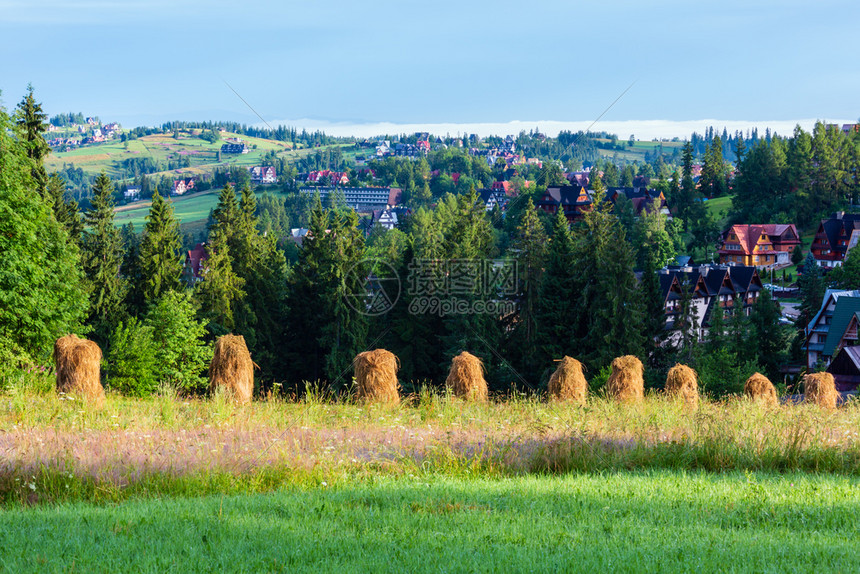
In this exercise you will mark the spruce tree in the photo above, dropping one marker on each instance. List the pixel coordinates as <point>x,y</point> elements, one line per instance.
<point>31,121</point>
<point>611,311</point>
<point>557,314</point>
<point>220,288</point>
<point>769,339</point>
<point>530,250</point>
<point>66,212</point>
<point>102,258</point>
<point>160,268</point>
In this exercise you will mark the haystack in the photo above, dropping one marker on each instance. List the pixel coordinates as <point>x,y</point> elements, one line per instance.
<point>625,382</point>
<point>568,383</point>
<point>232,369</point>
<point>682,383</point>
<point>78,363</point>
<point>820,389</point>
<point>376,376</point>
<point>761,390</point>
<point>466,377</point>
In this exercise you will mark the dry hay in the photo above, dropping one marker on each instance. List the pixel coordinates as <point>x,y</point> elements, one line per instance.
<point>682,383</point>
<point>820,389</point>
<point>625,382</point>
<point>568,383</point>
<point>466,377</point>
<point>232,369</point>
<point>761,390</point>
<point>376,376</point>
<point>78,364</point>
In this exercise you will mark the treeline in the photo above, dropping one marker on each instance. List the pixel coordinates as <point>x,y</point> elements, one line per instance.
<point>797,179</point>
<point>281,133</point>
<point>69,119</point>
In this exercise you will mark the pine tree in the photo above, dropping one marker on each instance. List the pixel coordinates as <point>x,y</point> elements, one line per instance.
<point>160,268</point>
<point>716,338</point>
<point>31,121</point>
<point>66,212</point>
<point>769,339</point>
<point>102,258</point>
<point>530,249</point>
<point>221,287</point>
<point>610,309</point>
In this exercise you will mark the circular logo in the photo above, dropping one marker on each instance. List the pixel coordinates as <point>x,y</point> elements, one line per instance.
<point>372,286</point>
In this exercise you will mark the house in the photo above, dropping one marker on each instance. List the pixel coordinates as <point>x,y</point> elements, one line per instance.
<point>131,194</point>
<point>829,329</point>
<point>493,197</point>
<point>845,369</point>
<point>180,186</point>
<point>386,218</point>
<point>360,198</point>
<point>833,237</point>
<point>573,199</point>
<point>298,234</point>
<point>328,177</point>
<point>642,198</point>
<point>263,174</point>
<point>193,268</point>
<point>735,288</point>
<point>234,147</point>
<point>759,245</point>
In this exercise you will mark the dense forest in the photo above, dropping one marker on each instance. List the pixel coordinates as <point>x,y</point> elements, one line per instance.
<point>589,290</point>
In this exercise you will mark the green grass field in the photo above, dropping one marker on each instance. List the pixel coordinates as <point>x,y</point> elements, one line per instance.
<point>616,522</point>
<point>188,210</point>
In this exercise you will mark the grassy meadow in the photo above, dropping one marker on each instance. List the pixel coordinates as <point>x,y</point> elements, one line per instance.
<point>319,483</point>
<point>613,522</point>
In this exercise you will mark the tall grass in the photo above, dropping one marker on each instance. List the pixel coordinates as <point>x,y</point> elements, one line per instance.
<point>172,444</point>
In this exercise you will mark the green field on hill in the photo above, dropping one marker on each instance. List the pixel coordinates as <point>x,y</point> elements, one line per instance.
<point>202,155</point>
<point>188,210</point>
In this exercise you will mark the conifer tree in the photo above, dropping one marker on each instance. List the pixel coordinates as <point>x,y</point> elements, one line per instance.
<point>221,287</point>
<point>557,314</point>
<point>31,126</point>
<point>102,258</point>
<point>160,268</point>
<point>608,302</point>
<point>66,212</point>
<point>769,339</point>
<point>529,248</point>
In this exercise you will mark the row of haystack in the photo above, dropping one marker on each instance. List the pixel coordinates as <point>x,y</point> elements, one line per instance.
<point>626,383</point>
<point>78,364</point>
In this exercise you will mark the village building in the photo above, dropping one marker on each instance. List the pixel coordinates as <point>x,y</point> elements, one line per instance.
<point>759,245</point>
<point>263,174</point>
<point>832,240</point>
<point>735,288</point>
<point>360,198</point>
<point>829,331</point>
<point>193,267</point>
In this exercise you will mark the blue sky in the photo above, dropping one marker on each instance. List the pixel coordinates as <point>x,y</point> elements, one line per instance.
<point>433,62</point>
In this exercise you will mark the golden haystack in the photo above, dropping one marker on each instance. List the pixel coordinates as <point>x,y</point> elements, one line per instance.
<point>625,382</point>
<point>376,376</point>
<point>820,389</point>
<point>232,369</point>
<point>466,377</point>
<point>568,383</point>
<point>682,382</point>
<point>761,390</point>
<point>78,363</point>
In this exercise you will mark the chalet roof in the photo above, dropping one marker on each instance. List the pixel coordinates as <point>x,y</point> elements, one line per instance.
<point>742,278</point>
<point>843,312</point>
<point>566,194</point>
<point>838,222</point>
<point>829,294</point>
